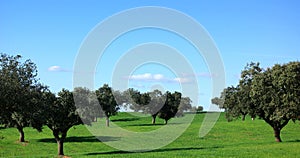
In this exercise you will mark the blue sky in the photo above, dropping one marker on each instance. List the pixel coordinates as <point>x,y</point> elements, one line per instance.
<point>51,32</point>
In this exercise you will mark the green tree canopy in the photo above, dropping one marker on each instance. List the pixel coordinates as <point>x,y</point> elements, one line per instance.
<point>136,100</point>
<point>272,95</point>
<point>61,116</point>
<point>87,103</point>
<point>276,95</point>
<point>171,106</point>
<point>107,102</point>
<point>185,105</point>
<point>20,94</point>
<point>155,104</point>
<point>236,100</point>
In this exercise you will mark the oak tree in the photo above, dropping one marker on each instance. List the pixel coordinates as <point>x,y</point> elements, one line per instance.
<point>107,102</point>
<point>171,106</point>
<point>20,94</point>
<point>276,95</point>
<point>61,115</point>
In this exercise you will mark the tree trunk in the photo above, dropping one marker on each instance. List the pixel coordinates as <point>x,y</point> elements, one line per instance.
<point>107,121</point>
<point>166,121</point>
<point>277,134</point>
<point>22,136</point>
<point>153,119</point>
<point>243,117</point>
<point>60,141</point>
<point>60,145</point>
<point>277,126</point>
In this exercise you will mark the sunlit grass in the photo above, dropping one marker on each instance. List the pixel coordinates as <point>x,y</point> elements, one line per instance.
<point>226,139</point>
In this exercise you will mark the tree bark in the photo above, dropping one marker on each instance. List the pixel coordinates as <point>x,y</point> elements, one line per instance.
<point>107,121</point>
<point>60,141</point>
<point>22,136</point>
<point>153,119</point>
<point>277,126</point>
<point>60,145</point>
<point>277,134</point>
<point>243,117</point>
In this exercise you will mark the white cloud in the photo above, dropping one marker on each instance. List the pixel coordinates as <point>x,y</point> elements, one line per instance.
<point>158,76</point>
<point>182,80</point>
<point>138,86</point>
<point>56,68</point>
<point>148,77</point>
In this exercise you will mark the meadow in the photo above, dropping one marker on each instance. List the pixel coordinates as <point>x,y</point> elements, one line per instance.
<point>226,139</point>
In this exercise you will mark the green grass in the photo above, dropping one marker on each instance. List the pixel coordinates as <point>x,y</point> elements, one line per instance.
<point>226,139</point>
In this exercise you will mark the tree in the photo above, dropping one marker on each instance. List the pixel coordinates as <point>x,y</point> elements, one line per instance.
<point>61,116</point>
<point>135,99</point>
<point>231,104</point>
<point>199,109</point>
<point>236,100</point>
<point>185,105</point>
<point>107,102</point>
<point>20,94</point>
<point>276,95</point>
<point>171,106</point>
<point>155,104</point>
<point>121,98</point>
<point>245,102</point>
<point>272,95</point>
<point>87,102</point>
<point>219,100</point>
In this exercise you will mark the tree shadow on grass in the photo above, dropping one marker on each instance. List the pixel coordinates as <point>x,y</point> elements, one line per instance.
<point>157,124</point>
<point>145,124</point>
<point>293,141</point>
<point>90,139</point>
<point>152,151</point>
<point>124,119</point>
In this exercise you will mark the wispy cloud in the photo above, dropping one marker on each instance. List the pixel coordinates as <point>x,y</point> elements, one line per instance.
<point>141,77</point>
<point>56,68</point>
<point>138,86</point>
<point>148,77</point>
<point>182,80</point>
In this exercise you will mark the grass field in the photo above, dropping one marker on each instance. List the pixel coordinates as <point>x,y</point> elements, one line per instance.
<point>226,139</point>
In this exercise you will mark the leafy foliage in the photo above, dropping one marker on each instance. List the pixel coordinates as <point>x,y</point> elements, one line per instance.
<point>156,103</point>
<point>236,100</point>
<point>171,106</point>
<point>87,104</point>
<point>20,94</point>
<point>135,99</point>
<point>185,105</point>
<point>107,101</point>
<point>276,95</point>
<point>61,116</point>
<point>272,95</point>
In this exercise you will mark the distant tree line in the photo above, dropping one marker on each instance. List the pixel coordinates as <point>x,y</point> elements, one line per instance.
<point>271,94</point>
<point>25,102</point>
<point>155,103</point>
